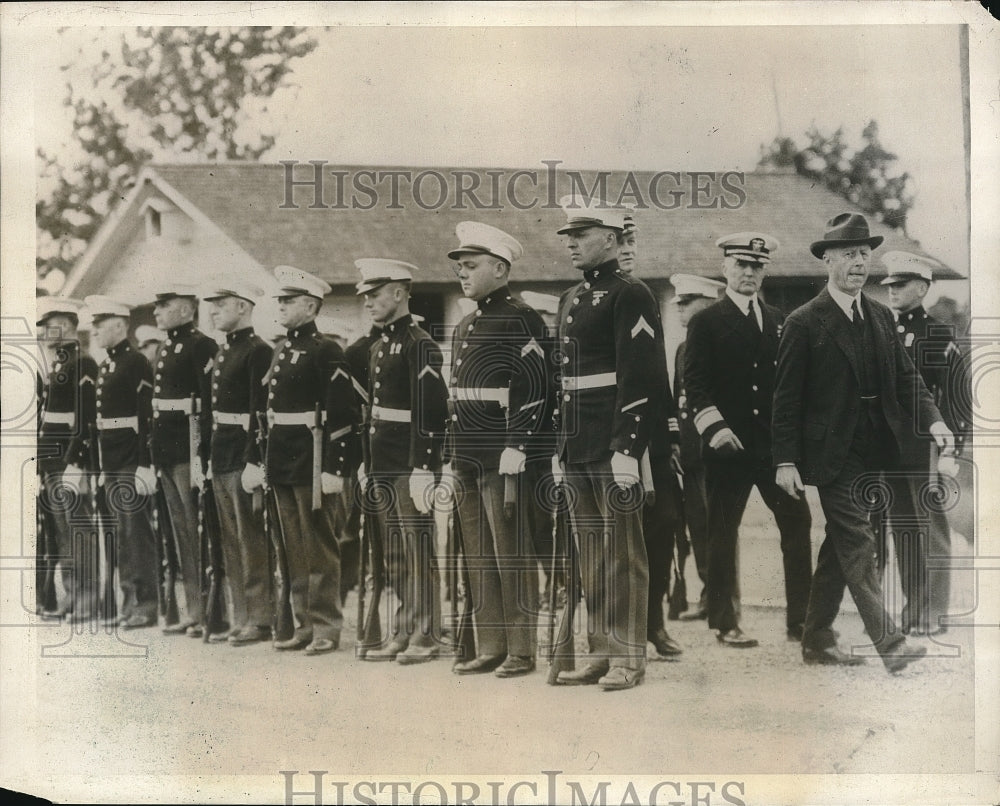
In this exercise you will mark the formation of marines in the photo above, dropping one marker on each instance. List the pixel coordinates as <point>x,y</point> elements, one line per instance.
<point>260,477</point>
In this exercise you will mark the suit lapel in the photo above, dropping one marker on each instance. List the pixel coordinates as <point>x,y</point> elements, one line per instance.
<point>836,324</point>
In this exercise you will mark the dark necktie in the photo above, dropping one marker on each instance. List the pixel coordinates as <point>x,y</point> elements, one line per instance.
<point>752,316</point>
<point>856,319</point>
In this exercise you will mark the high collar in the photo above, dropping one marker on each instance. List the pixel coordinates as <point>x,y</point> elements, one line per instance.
<point>845,301</point>
<point>181,330</point>
<point>742,301</point>
<point>501,294</point>
<point>912,315</point>
<point>121,348</point>
<point>242,334</point>
<point>398,325</point>
<point>603,271</point>
<point>308,329</point>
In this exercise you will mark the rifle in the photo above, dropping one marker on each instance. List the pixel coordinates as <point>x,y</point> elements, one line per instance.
<point>103,523</point>
<point>677,598</point>
<point>562,652</point>
<point>166,555</point>
<point>369,621</point>
<point>317,468</point>
<point>465,636</point>
<point>45,563</point>
<point>208,533</point>
<point>283,624</point>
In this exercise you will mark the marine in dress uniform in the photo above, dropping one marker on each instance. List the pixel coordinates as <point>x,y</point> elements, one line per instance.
<point>920,530</point>
<point>308,370</point>
<point>500,395</point>
<point>611,377</point>
<point>124,421</point>
<point>238,396</point>
<point>65,420</point>
<point>729,373</point>
<point>661,515</point>
<point>846,395</point>
<point>183,368</point>
<point>402,461</point>
<point>692,294</point>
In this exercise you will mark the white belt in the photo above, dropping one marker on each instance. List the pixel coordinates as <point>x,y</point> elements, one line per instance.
<point>175,404</point>
<point>597,381</point>
<point>59,418</point>
<point>501,396</point>
<point>110,423</point>
<point>232,418</point>
<point>390,415</point>
<point>306,418</point>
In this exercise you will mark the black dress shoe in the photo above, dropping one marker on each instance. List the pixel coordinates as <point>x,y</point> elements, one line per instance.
<point>831,656</point>
<point>695,615</point>
<point>516,666</point>
<point>387,653</point>
<point>180,628</point>
<point>415,654</point>
<point>320,646</point>
<point>794,632</point>
<point>137,621</point>
<point>249,635</point>
<point>736,638</point>
<point>481,664</point>
<point>666,647</point>
<point>293,643</point>
<point>589,675</point>
<point>901,656</point>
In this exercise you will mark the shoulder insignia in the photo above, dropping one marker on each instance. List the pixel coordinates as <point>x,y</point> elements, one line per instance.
<point>642,325</point>
<point>86,379</point>
<point>532,347</point>
<point>428,370</point>
<point>178,347</point>
<point>208,366</point>
<point>142,383</point>
<point>597,297</point>
<point>908,339</point>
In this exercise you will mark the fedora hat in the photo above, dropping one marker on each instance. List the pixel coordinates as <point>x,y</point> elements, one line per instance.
<point>846,229</point>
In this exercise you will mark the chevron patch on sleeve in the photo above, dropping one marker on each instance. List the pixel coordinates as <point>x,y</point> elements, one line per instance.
<point>642,326</point>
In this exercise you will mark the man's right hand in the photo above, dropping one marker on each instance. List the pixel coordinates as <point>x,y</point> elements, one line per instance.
<point>725,442</point>
<point>252,478</point>
<point>362,477</point>
<point>789,481</point>
<point>145,480</point>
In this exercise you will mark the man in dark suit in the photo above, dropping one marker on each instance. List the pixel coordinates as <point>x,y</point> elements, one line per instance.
<point>919,530</point>
<point>729,374</point>
<point>846,395</point>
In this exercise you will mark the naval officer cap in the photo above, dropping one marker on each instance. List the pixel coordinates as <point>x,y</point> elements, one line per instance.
<point>754,246</point>
<point>482,239</point>
<point>293,282</point>
<point>101,307</point>
<point>377,271</point>
<point>905,266</point>
<point>147,334</point>
<point>232,287</point>
<point>46,307</point>
<point>169,290</point>
<point>583,213</point>
<point>690,286</point>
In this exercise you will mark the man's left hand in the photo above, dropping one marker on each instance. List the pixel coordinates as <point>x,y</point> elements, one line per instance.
<point>331,484</point>
<point>512,462</point>
<point>421,485</point>
<point>625,470</point>
<point>943,437</point>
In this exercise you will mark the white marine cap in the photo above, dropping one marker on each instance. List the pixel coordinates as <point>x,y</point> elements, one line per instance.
<point>482,239</point>
<point>905,266</point>
<point>100,307</point>
<point>294,282</point>
<point>53,306</point>
<point>377,271</point>
<point>583,212</point>
<point>755,246</point>
<point>168,290</point>
<point>232,287</point>
<point>543,303</point>
<point>689,286</point>
<point>144,334</point>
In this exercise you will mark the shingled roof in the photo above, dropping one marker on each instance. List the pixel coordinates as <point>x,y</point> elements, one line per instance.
<point>245,200</point>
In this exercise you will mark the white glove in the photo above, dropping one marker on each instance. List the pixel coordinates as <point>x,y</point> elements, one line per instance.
<point>421,482</point>
<point>252,478</point>
<point>197,476</point>
<point>943,437</point>
<point>725,442</point>
<point>145,480</point>
<point>100,480</point>
<point>208,472</point>
<point>446,487</point>
<point>512,461</point>
<point>73,478</point>
<point>331,484</point>
<point>625,469</point>
<point>558,476</point>
<point>947,466</point>
<point>362,477</point>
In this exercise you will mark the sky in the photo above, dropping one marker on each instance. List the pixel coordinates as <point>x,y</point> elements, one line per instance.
<point>649,98</point>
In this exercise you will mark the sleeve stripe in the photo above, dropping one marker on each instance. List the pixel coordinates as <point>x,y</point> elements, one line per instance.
<point>362,392</point>
<point>340,432</point>
<point>706,418</point>
<point>531,405</point>
<point>634,403</point>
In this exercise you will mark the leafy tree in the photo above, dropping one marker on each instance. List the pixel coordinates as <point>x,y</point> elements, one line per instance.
<point>158,92</point>
<point>865,177</point>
